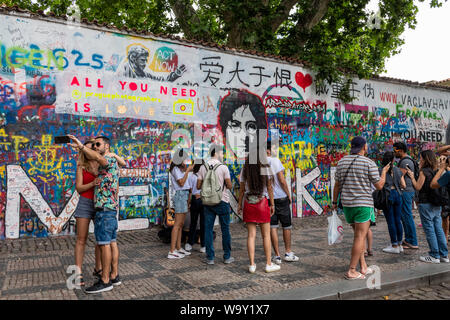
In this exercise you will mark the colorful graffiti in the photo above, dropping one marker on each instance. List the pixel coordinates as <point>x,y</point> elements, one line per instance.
<point>150,96</point>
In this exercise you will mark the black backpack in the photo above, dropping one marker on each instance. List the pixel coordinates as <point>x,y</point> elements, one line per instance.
<point>381,199</point>
<point>416,166</point>
<point>437,197</point>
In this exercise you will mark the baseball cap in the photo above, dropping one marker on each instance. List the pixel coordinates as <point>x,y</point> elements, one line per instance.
<point>357,144</point>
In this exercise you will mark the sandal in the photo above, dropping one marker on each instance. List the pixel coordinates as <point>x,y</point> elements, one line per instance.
<point>359,277</point>
<point>368,253</point>
<point>97,273</point>
<point>81,280</point>
<point>369,271</point>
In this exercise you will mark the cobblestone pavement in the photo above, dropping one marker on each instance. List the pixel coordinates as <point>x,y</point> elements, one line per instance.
<point>435,292</point>
<point>36,268</point>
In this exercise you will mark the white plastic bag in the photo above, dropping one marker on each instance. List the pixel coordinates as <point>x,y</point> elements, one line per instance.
<point>335,229</point>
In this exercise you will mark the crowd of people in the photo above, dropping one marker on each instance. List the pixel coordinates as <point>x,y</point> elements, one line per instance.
<point>202,190</point>
<point>264,200</point>
<point>427,183</point>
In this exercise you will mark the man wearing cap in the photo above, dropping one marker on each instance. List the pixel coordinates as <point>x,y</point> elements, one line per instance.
<point>355,175</point>
<point>222,209</point>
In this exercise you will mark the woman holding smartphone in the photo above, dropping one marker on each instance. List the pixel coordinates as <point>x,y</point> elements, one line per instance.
<point>86,180</point>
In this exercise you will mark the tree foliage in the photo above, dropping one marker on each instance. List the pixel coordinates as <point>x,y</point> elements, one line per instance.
<point>335,36</point>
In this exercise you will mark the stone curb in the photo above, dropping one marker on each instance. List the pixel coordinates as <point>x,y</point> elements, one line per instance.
<point>420,276</point>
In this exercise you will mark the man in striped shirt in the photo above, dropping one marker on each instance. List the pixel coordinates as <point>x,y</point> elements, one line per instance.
<point>355,175</point>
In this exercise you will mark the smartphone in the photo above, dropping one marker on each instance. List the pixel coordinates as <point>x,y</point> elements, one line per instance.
<point>62,139</point>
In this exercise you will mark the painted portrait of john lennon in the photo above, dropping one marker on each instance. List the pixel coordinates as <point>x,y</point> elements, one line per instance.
<point>137,61</point>
<point>241,115</point>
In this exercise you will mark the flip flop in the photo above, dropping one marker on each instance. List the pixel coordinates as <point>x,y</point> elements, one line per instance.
<point>407,245</point>
<point>359,277</point>
<point>369,271</point>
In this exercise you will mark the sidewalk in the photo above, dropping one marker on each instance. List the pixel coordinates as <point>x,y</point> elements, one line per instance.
<point>36,268</point>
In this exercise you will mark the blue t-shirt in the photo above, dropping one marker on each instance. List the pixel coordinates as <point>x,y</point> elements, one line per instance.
<point>444,180</point>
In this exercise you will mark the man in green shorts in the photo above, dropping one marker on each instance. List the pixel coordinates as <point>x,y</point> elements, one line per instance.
<point>355,175</point>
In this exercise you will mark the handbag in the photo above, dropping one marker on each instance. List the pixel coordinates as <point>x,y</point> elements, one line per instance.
<point>255,205</point>
<point>340,206</point>
<point>381,199</point>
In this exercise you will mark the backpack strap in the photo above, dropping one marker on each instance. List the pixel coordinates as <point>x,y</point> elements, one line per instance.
<point>349,167</point>
<point>408,157</point>
<point>214,169</point>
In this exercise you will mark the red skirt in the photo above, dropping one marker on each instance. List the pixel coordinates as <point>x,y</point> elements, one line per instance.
<point>258,212</point>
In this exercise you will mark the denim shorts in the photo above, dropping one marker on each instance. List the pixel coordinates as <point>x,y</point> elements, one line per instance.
<point>180,201</point>
<point>105,227</point>
<point>85,208</point>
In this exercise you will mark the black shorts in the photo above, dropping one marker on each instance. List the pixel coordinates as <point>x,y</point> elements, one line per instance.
<point>282,214</point>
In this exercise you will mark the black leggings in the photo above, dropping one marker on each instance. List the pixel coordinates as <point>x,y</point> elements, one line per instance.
<point>196,211</point>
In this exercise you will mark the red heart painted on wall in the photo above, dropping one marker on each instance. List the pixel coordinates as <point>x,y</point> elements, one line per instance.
<point>304,81</point>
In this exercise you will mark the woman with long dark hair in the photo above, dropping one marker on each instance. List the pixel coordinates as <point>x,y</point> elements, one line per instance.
<point>394,183</point>
<point>179,173</point>
<point>430,214</point>
<point>196,211</point>
<point>255,193</point>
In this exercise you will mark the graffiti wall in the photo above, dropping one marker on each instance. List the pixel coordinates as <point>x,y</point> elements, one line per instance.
<point>150,95</point>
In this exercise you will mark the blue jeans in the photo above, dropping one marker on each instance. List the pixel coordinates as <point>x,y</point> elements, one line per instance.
<point>394,217</point>
<point>432,225</point>
<point>223,211</point>
<point>407,218</point>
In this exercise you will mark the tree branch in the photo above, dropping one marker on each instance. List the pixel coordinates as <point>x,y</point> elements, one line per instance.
<point>284,8</point>
<point>310,18</point>
<point>186,17</point>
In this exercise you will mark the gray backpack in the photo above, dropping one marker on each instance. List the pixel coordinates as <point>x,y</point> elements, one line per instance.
<point>211,192</point>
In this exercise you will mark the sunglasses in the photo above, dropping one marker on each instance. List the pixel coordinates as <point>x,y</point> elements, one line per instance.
<point>90,145</point>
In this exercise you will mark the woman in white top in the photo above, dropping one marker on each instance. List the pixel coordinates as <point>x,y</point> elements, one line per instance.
<point>179,175</point>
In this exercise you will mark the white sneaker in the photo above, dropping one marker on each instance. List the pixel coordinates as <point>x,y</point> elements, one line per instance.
<point>272,267</point>
<point>252,268</point>
<point>291,257</point>
<point>203,249</point>
<point>430,259</point>
<point>401,249</point>
<point>445,259</point>
<point>188,247</point>
<point>277,259</point>
<point>175,255</point>
<point>391,249</point>
<point>182,251</point>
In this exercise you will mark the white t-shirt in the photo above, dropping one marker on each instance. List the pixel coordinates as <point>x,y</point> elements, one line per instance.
<point>192,179</point>
<point>241,179</point>
<point>176,175</point>
<point>222,173</point>
<point>277,166</point>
